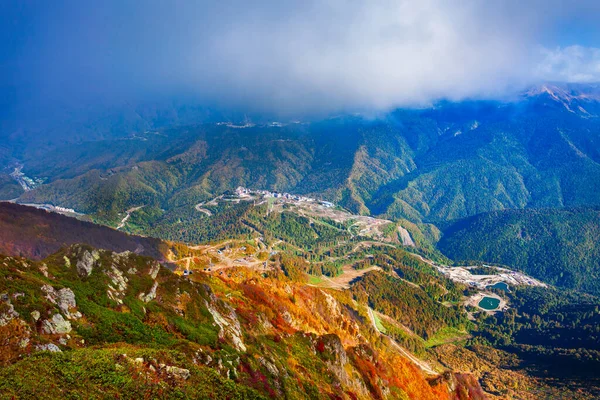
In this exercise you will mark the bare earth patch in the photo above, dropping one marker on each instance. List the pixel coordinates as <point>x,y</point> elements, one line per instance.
<point>343,280</point>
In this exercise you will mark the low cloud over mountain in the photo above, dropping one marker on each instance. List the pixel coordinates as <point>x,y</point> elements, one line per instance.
<point>294,57</point>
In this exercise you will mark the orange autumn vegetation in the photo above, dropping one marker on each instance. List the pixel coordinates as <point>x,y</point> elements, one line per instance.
<point>289,307</point>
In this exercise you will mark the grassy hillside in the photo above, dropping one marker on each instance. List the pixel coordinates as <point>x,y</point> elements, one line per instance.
<point>558,246</point>
<point>120,324</point>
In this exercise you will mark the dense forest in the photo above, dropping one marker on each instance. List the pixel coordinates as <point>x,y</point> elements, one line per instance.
<point>556,333</point>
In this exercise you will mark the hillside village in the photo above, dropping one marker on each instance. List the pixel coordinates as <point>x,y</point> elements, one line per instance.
<point>245,192</point>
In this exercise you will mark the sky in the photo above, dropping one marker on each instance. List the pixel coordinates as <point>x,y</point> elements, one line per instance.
<point>291,57</point>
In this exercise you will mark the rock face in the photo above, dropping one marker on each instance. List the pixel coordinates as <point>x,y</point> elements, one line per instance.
<point>151,295</point>
<point>64,299</point>
<point>331,346</point>
<point>154,269</point>
<point>86,262</point>
<point>56,325</point>
<point>229,325</point>
<point>332,350</point>
<point>118,285</point>
<point>405,237</point>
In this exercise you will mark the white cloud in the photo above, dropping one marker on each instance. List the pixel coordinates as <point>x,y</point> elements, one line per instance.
<point>308,55</point>
<point>570,64</point>
<point>375,54</point>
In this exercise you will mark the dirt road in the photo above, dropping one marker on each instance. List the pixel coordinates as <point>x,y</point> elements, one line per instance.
<point>124,220</point>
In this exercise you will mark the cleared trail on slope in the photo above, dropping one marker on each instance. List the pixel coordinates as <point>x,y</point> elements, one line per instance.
<point>124,220</point>
<point>421,364</point>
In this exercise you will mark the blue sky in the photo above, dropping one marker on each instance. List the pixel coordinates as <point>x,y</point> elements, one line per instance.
<point>292,56</point>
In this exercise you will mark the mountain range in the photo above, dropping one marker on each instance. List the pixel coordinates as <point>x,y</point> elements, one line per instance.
<point>447,252</point>
<point>447,162</point>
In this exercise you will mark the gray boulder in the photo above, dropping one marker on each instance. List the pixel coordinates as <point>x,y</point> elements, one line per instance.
<point>66,302</point>
<point>64,299</point>
<point>7,313</point>
<point>56,325</point>
<point>86,262</point>
<point>48,347</point>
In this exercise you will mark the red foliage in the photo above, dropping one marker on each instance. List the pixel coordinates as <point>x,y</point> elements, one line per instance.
<point>320,346</point>
<point>257,380</point>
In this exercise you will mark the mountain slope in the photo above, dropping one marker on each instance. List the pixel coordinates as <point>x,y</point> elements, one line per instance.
<point>558,246</point>
<point>125,325</point>
<point>34,233</point>
<point>315,303</point>
<point>433,165</point>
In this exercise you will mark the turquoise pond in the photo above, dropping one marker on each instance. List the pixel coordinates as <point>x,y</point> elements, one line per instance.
<point>489,303</point>
<point>499,285</point>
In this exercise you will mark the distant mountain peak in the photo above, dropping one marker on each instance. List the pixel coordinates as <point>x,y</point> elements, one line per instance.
<point>574,97</point>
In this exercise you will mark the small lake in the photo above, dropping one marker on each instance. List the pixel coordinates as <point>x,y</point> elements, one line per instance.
<point>499,285</point>
<point>489,303</point>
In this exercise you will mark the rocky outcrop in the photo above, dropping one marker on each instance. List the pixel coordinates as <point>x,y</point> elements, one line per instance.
<point>330,346</point>
<point>176,372</point>
<point>86,262</point>
<point>67,303</point>
<point>151,295</point>
<point>269,365</point>
<point>56,325</point>
<point>229,324</point>
<point>154,269</point>
<point>118,285</point>
<point>7,312</point>
<point>152,366</point>
<point>64,299</point>
<point>35,315</point>
<point>405,237</point>
<point>51,347</point>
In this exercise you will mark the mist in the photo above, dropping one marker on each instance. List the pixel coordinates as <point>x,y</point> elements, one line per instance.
<point>290,58</point>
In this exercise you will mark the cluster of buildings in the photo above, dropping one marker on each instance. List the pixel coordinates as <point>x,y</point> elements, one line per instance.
<point>242,192</point>
<point>26,182</point>
<point>64,209</point>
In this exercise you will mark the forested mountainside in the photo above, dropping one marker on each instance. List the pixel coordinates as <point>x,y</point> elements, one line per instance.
<point>34,233</point>
<point>451,161</point>
<point>558,246</point>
